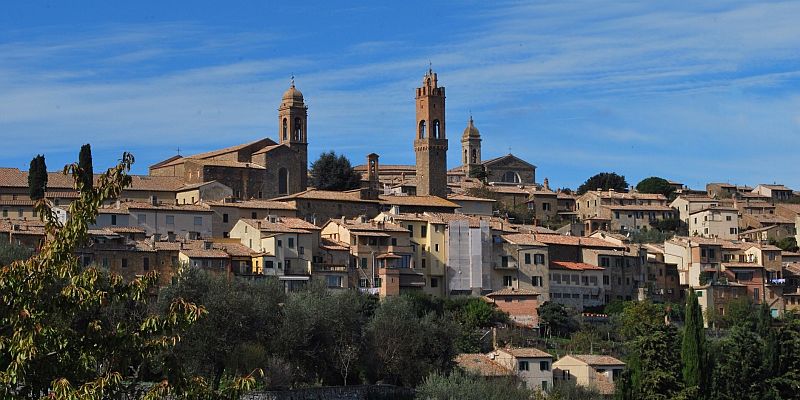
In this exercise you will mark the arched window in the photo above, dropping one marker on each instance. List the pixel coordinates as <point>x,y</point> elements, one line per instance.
<point>435,129</point>
<point>465,156</point>
<point>511,177</point>
<point>283,181</point>
<point>298,129</point>
<point>285,133</point>
<point>474,156</point>
<point>422,129</point>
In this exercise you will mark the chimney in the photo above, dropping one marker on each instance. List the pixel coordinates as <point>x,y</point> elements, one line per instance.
<point>546,184</point>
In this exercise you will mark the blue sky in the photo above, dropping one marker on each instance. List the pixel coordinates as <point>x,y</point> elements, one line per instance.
<point>691,92</point>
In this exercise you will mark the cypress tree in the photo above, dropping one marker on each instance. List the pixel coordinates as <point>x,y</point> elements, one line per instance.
<point>693,347</point>
<point>86,169</point>
<point>37,178</point>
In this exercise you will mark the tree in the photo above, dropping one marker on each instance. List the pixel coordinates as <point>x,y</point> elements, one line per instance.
<point>85,165</point>
<point>738,370</point>
<point>10,252</point>
<point>465,386</point>
<point>693,346</point>
<point>478,172</point>
<point>655,185</point>
<point>604,181</point>
<point>557,319</point>
<point>77,332</point>
<point>788,243</point>
<point>37,178</point>
<point>653,370</point>
<point>330,172</point>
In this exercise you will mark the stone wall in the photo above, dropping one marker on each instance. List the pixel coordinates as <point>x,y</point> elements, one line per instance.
<point>376,392</point>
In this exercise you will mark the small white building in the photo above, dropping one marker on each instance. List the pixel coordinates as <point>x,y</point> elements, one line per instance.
<point>715,222</point>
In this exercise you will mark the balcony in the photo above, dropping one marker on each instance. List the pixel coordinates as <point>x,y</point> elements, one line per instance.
<point>505,265</point>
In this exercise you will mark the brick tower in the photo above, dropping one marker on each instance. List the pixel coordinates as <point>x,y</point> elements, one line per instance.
<point>430,144</point>
<point>293,130</point>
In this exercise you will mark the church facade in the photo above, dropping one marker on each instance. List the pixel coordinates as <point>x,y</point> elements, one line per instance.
<point>261,169</point>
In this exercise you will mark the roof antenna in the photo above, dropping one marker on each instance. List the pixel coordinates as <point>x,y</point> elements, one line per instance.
<point>178,150</point>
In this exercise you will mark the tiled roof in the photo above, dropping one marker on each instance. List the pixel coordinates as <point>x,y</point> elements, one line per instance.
<point>527,352</point>
<point>463,197</point>
<point>125,229</point>
<point>235,249</point>
<point>422,201</point>
<point>388,167</point>
<point>314,194</point>
<point>513,292</point>
<point>774,187</point>
<point>628,195</point>
<point>714,208</point>
<point>769,218</point>
<point>481,364</point>
<point>21,202</point>
<point>639,207</point>
<point>254,204</point>
<point>741,265</point>
<point>330,244</point>
<point>369,226</point>
<point>522,239</point>
<point>21,226</point>
<point>508,190</point>
<point>281,226</point>
<point>597,360</point>
<point>576,241</point>
<point>697,240</point>
<point>140,205</point>
<point>575,266</point>
<point>13,177</point>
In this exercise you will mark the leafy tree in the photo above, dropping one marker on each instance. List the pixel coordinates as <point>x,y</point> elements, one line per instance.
<point>738,372</point>
<point>404,347</point>
<point>80,332</point>
<point>239,314</point>
<point>604,181</point>
<point>85,165</point>
<point>557,319</point>
<point>653,370</point>
<point>478,172</point>
<point>788,243</point>
<point>11,252</point>
<point>638,318</point>
<point>655,185</point>
<point>330,172</point>
<point>464,386</point>
<point>37,178</point>
<point>568,390</point>
<point>693,346</point>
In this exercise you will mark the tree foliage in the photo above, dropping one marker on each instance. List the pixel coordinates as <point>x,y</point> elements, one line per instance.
<point>788,243</point>
<point>10,252</point>
<point>79,332</point>
<point>85,166</point>
<point>464,386</point>
<point>655,185</point>
<point>693,346</point>
<point>332,172</point>
<point>604,181</point>
<point>37,178</point>
<point>557,319</point>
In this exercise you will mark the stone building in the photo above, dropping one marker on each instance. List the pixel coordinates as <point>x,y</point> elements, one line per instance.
<point>430,144</point>
<point>260,169</point>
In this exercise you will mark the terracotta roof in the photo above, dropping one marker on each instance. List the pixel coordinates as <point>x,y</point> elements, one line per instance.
<point>576,241</point>
<point>507,156</point>
<point>422,201</point>
<point>774,187</point>
<point>13,177</point>
<point>254,204</point>
<point>284,225</point>
<point>204,253</point>
<point>463,197</point>
<point>565,196</point>
<point>714,208</point>
<point>597,359</point>
<point>508,189</point>
<point>370,226</point>
<point>388,167</point>
<point>526,352</point>
<point>741,265</point>
<point>513,292</point>
<point>481,364</point>
<point>137,205</point>
<point>494,223</point>
<point>267,149</point>
<point>235,249</point>
<point>314,194</point>
<point>125,229</point>
<point>179,160</point>
<point>697,240</point>
<point>639,207</point>
<point>522,239</point>
<point>27,202</point>
<point>627,195</point>
<point>793,268</point>
<point>769,218</point>
<point>575,266</point>
<point>20,226</point>
<point>330,244</point>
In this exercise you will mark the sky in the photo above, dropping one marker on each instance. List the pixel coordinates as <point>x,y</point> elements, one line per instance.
<point>695,92</point>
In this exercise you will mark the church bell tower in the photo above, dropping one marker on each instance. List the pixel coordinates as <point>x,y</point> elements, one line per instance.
<point>430,144</point>
<point>293,129</point>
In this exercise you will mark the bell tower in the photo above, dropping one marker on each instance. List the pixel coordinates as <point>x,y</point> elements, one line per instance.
<point>293,129</point>
<point>430,144</point>
<point>470,148</point>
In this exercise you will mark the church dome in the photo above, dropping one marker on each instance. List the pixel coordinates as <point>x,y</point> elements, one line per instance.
<point>293,94</point>
<point>471,131</point>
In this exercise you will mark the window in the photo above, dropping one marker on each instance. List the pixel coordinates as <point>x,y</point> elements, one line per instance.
<point>733,231</point>
<point>434,282</point>
<point>283,181</point>
<point>394,241</point>
<point>269,264</point>
<point>424,261</point>
<point>170,220</point>
<point>280,243</point>
<point>728,218</point>
<point>527,258</point>
<point>302,250</point>
<point>422,129</point>
<point>435,128</point>
<point>298,130</point>
<point>285,129</point>
<point>411,230</point>
<point>124,263</point>
<point>280,265</point>
<point>334,281</point>
<point>254,215</point>
<point>141,218</point>
<point>545,206</point>
<point>5,213</point>
<point>423,231</point>
<point>436,247</point>
<point>604,262</point>
<point>523,366</point>
<point>363,262</point>
<point>225,235</point>
<point>146,263</point>
<point>508,280</point>
<point>225,218</point>
<point>538,259</point>
<point>616,214</point>
<point>105,262</point>
<point>536,280</point>
<point>198,221</point>
<point>113,219</point>
<point>544,365</point>
<point>702,252</point>
<point>290,242</point>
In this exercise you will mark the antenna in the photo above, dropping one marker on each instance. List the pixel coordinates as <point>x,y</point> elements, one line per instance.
<point>178,150</point>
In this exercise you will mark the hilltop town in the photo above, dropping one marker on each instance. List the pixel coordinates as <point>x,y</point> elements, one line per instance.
<point>491,229</point>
